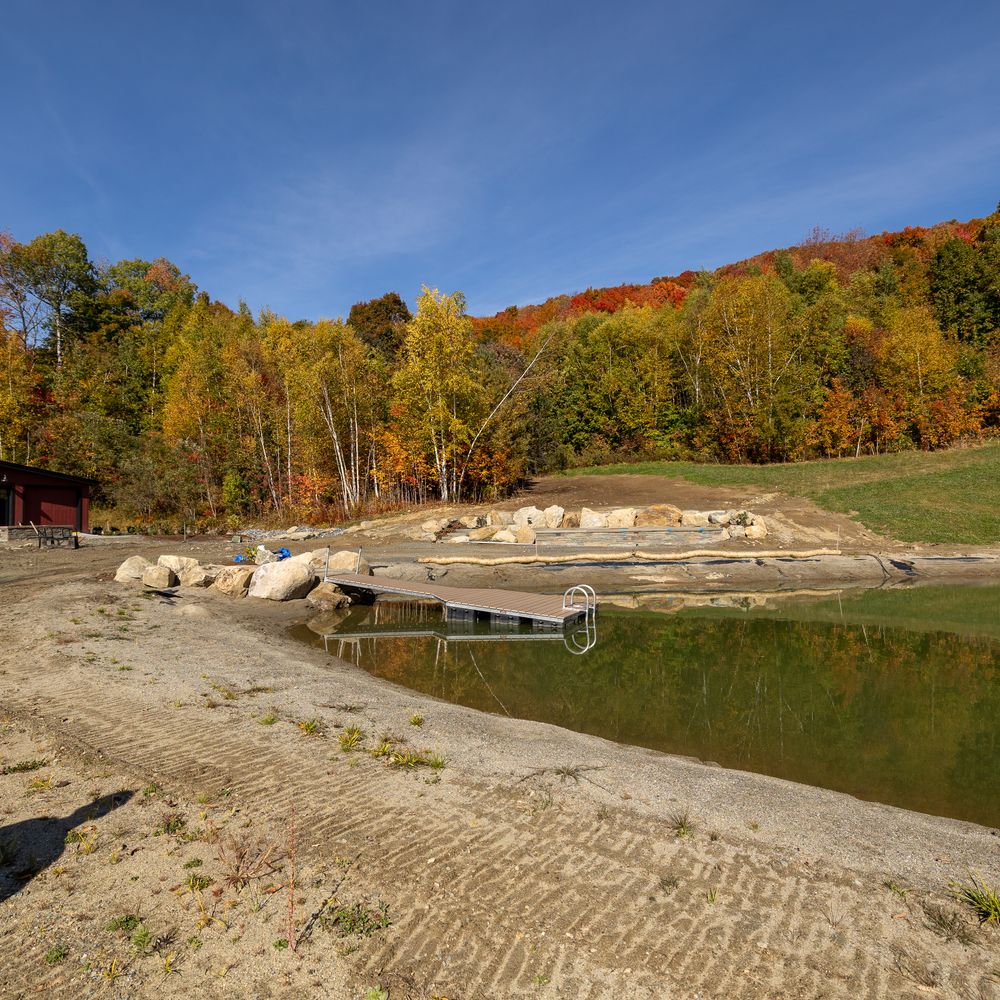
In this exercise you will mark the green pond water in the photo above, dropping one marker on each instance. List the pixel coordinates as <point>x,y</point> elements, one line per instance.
<point>890,695</point>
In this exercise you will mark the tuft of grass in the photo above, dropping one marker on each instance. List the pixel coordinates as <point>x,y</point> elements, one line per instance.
<point>23,766</point>
<point>681,825</point>
<point>416,719</point>
<point>310,727</point>
<point>56,954</point>
<point>980,896</point>
<point>382,749</point>
<point>897,888</point>
<point>127,922</point>
<point>350,739</point>
<point>712,895</point>
<point>84,838</point>
<point>376,993</point>
<point>946,924</point>
<point>197,883</point>
<point>170,823</point>
<point>269,719</point>
<point>417,758</point>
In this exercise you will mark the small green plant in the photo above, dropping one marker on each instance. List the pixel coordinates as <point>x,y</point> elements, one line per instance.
<point>84,838</point>
<point>381,749</point>
<point>682,825</point>
<point>169,962</point>
<point>376,993</point>
<point>350,739</point>
<point>982,897</point>
<point>416,719</point>
<point>354,919</point>
<point>311,727</point>
<point>142,940</point>
<point>281,944</point>
<point>269,719</point>
<point>897,888</point>
<point>193,863</point>
<point>194,942</point>
<point>56,954</point>
<point>170,823</point>
<point>540,980</point>
<point>151,789</point>
<point>127,922</point>
<point>40,784</point>
<point>712,895</point>
<point>24,765</point>
<point>197,883</point>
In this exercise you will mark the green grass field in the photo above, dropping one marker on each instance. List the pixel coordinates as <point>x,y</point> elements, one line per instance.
<point>943,496</point>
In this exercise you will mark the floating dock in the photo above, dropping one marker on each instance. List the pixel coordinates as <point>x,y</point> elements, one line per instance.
<point>464,602</point>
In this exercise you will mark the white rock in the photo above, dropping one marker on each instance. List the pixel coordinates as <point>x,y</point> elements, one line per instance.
<point>234,580</point>
<point>159,577</point>
<point>592,519</point>
<point>456,539</point>
<point>177,563</point>
<point>554,516</point>
<point>736,531</point>
<point>529,517</point>
<point>695,519</point>
<point>719,516</point>
<point>623,517</point>
<point>264,556</point>
<point>347,561</point>
<point>328,596</point>
<point>755,532</point>
<point>505,535</point>
<point>282,581</point>
<point>132,569</point>
<point>199,576</point>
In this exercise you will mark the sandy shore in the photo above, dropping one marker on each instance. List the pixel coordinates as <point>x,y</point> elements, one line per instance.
<point>535,862</point>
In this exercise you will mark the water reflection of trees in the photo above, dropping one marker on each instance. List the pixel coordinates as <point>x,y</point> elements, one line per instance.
<point>885,713</point>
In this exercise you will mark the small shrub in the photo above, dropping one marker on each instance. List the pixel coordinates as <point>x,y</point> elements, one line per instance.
<point>56,954</point>
<point>311,727</point>
<point>350,739</point>
<point>170,823</point>
<point>682,825</point>
<point>127,922</point>
<point>269,719</point>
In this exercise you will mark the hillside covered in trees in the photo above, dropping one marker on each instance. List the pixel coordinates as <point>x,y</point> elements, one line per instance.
<point>182,407</point>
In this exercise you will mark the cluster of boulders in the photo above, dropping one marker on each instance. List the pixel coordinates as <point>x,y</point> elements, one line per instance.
<point>267,578</point>
<point>523,525</point>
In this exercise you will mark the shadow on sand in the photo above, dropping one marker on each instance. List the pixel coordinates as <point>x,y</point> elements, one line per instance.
<point>30,846</point>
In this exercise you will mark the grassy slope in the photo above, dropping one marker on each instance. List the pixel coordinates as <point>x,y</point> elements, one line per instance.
<point>945,496</point>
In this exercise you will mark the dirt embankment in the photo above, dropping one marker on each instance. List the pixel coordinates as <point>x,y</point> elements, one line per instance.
<point>535,862</point>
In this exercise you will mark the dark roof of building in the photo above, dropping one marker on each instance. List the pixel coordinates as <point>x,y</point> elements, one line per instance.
<point>47,472</point>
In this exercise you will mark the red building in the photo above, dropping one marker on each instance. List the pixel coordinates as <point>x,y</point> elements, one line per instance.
<point>41,497</point>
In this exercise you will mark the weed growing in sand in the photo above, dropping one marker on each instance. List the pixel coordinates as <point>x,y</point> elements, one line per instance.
<point>269,719</point>
<point>227,692</point>
<point>712,895</point>
<point>127,922</point>
<point>193,863</point>
<point>897,888</point>
<point>151,789</point>
<point>170,823</point>
<point>310,727</point>
<point>681,825</point>
<point>417,758</point>
<point>946,924</point>
<point>85,839</point>
<point>245,860</point>
<point>668,883</point>
<point>381,749</point>
<point>40,784</point>
<point>24,765</point>
<point>281,944</point>
<point>540,980</point>
<point>112,971</point>
<point>376,993</point>
<point>56,954</point>
<point>197,883</point>
<point>416,719</point>
<point>350,739</point>
<point>194,942</point>
<point>354,919</point>
<point>983,898</point>
<point>916,971</point>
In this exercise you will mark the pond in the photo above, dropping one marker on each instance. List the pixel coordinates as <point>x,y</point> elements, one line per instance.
<point>891,695</point>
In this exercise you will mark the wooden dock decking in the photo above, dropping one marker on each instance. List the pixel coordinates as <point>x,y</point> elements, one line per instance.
<point>460,601</point>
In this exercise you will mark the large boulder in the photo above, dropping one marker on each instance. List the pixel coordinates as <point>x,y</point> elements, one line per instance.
<point>315,560</point>
<point>132,569</point>
<point>347,561</point>
<point>505,535</point>
<point>199,576</point>
<point>282,581</point>
<point>623,517</point>
<point>233,581</point>
<point>593,519</point>
<point>413,572</point>
<point>434,525</point>
<point>722,517</point>
<point>177,563</point>
<point>524,534</point>
<point>327,596</point>
<point>554,516</point>
<point>159,577</point>
<point>482,534</point>
<point>658,515</point>
<point>756,530</point>
<point>500,518</point>
<point>695,519</point>
<point>472,520</point>
<point>529,517</point>
<point>571,520</point>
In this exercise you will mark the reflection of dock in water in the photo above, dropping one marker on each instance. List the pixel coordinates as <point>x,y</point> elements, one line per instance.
<point>577,640</point>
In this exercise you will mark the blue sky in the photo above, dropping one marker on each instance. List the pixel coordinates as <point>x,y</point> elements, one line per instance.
<point>305,156</point>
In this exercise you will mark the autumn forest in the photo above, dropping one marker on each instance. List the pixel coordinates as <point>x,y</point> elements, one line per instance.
<point>183,408</point>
